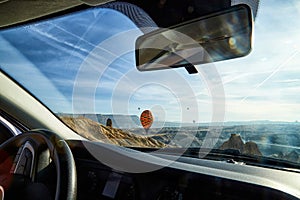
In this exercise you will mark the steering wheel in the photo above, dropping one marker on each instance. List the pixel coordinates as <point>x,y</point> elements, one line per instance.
<point>24,151</point>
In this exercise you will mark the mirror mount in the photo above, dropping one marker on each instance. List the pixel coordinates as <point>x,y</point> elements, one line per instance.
<point>191,69</point>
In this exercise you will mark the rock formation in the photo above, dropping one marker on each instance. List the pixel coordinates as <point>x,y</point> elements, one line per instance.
<point>235,142</point>
<point>98,132</point>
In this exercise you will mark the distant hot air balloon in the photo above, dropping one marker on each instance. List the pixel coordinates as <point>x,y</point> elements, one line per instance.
<point>146,119</point>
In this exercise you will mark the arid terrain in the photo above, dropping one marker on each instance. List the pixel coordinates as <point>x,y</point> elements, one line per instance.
<point>98,132</point>
<point>274,139</point>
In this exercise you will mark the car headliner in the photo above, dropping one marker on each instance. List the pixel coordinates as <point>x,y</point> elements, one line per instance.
<point>14,12</point>
<point>17,11</point>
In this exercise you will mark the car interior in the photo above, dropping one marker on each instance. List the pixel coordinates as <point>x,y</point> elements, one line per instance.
<point>43,158</point>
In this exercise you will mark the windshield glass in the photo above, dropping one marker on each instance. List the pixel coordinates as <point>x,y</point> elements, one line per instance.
<point>82,67</point>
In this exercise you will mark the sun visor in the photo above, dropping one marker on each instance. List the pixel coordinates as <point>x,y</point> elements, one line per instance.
<point>166,13</point>
<point>13,12</point>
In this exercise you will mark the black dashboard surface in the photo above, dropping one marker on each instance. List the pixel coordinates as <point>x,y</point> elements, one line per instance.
<point>203,179</point>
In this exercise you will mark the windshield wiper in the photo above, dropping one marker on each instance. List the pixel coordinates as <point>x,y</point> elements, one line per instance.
<point>235,156</point>
<point>228,155</point>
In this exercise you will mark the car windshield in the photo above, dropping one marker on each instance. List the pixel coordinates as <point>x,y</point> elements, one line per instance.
<point>82,67</point>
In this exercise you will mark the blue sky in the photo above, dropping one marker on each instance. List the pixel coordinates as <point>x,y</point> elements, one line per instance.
<point>85,63</point>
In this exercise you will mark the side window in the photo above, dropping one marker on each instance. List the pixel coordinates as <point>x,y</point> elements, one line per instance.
<point>7,130</point>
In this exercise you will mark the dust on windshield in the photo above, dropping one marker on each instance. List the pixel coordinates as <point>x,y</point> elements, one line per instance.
<point>83,69</point>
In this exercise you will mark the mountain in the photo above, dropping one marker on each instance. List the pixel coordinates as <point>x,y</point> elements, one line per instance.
<point>98,132</point>
<point>119,121</point>
<point>272,139</point>
<point>235,142</point>
<point>293,156</point>
<point>133,121</point>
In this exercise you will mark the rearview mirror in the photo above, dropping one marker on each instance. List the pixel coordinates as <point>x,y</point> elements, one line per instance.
<point>219,36</point>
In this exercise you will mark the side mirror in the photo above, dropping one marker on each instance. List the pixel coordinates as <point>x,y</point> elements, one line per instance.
<point>219,36</point>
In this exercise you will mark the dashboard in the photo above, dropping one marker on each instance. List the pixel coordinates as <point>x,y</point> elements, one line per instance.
<point>187,178</point>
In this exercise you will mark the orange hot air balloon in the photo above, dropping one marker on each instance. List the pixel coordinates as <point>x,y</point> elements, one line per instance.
<point>146,119</point>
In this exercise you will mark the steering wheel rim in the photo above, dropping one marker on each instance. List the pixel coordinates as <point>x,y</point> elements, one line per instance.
<point>60,153</point>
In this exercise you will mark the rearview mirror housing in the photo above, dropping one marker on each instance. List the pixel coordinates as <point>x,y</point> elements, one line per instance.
<point>219,36</point>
